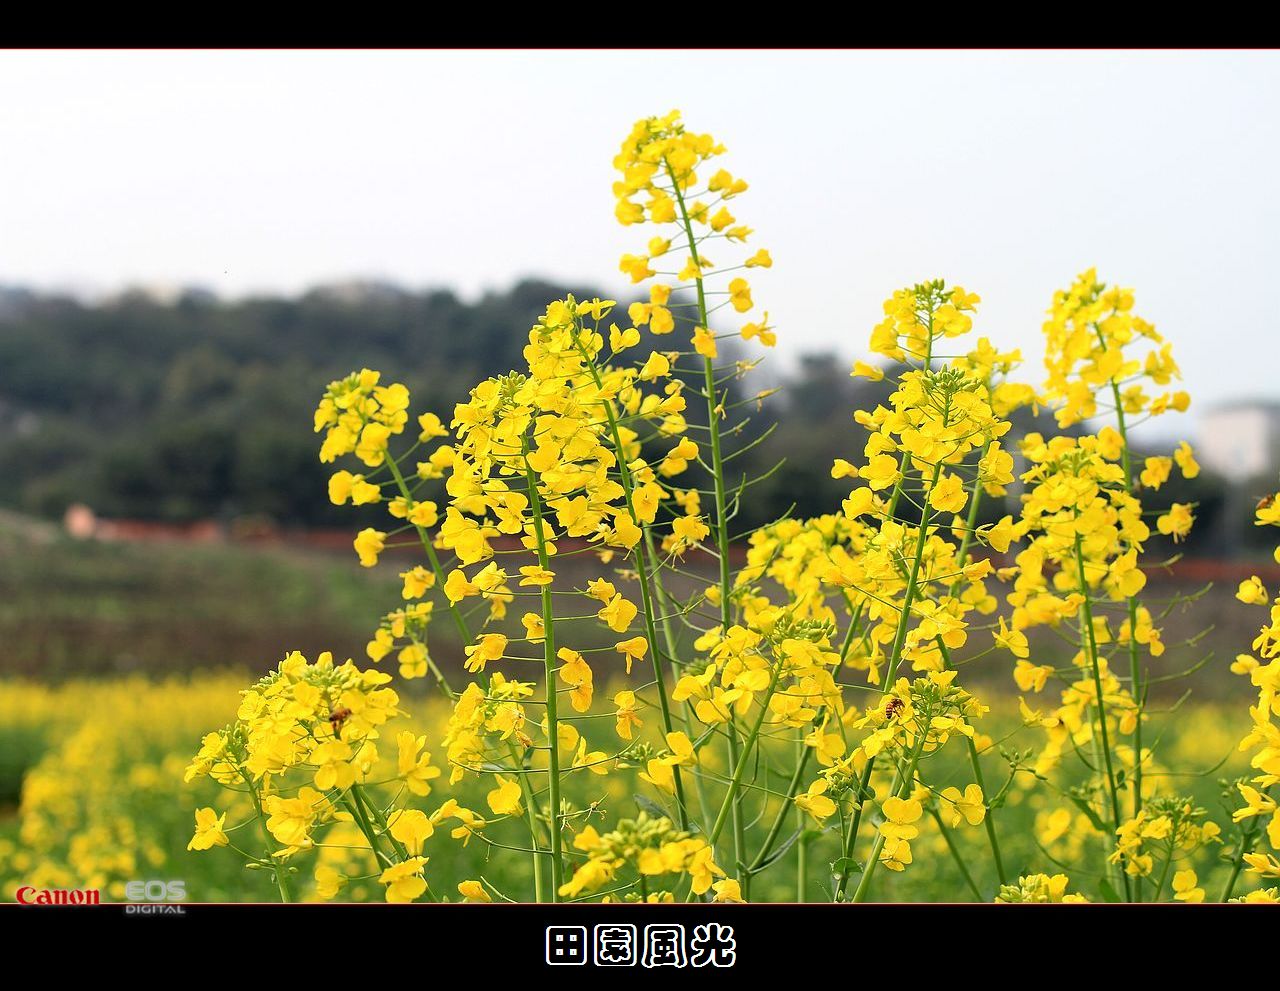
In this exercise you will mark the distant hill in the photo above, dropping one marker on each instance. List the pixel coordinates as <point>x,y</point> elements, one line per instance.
<point>178,406</point>
<point>188,407</point>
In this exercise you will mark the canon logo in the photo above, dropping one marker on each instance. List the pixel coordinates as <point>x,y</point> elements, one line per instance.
<point>30,895</point>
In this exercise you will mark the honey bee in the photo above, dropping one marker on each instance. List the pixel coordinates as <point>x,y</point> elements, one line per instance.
<point>336,718</point>
<point>893,707</point>
<point>1266,502</point>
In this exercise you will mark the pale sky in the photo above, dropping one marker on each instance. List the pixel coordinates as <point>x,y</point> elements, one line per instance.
<point>1007,173</point>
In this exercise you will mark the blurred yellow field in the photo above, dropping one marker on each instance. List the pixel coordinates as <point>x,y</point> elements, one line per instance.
<point>103,803</point>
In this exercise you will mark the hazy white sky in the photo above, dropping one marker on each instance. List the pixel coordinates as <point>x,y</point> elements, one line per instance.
<point>1005,172</point>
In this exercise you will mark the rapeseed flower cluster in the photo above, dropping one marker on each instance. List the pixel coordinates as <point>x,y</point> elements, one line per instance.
<point>1084,525</point>
<point>1258,845</point>
<point>810,696</point>
<point>303,748</point>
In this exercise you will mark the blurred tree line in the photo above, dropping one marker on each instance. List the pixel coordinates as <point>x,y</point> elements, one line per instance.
<point>196,407</point>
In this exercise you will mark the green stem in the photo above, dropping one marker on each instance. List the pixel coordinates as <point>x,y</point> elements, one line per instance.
<point>549,665</point>
<point>962,556</point>
<point>802,762</point>
<point>717,470</point>
<point>1087,614</point>
<point>955,854</point>
<point>992,840</point>
<point>793,786</point>
<point>1164,876</point>
<point>669,640</point>
<point>1246,846</point>
<point>904,786</point>
<point>282,882</point>
<point>802,845</point>
<point>371,837</point>
<point>381,820</point>
<point>539,883</point>
<point>1131,603</point>
<point>356,800</point>
<point>861,797</point>
<point>895,658</point>
<point>975,762</point>
<point>459,620</point>
<point>908,600</point>
<point>734,782</point>
<point>642,570</point>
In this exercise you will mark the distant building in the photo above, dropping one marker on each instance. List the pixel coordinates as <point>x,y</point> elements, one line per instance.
<point>1241,440</point>
<point>83,523</point>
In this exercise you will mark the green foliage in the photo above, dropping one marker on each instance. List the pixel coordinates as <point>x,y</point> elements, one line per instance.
<point>72,608</point>
<point>201,408</point>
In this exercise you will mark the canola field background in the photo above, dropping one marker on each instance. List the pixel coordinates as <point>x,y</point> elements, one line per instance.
<point>98,766</point>
<point>92,751</point>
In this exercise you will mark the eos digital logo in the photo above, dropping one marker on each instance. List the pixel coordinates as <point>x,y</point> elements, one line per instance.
<point>155,897</point>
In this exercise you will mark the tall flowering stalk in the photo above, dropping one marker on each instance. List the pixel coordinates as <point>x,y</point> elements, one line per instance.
<point>1087,527</point>
<point>927,458</point>
<point>659,165</point>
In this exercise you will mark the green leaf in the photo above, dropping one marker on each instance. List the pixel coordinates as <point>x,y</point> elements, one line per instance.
<point>845,866</point>
<point>777,854</point>
<point>650,806</point>
<point>1084,807</point>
